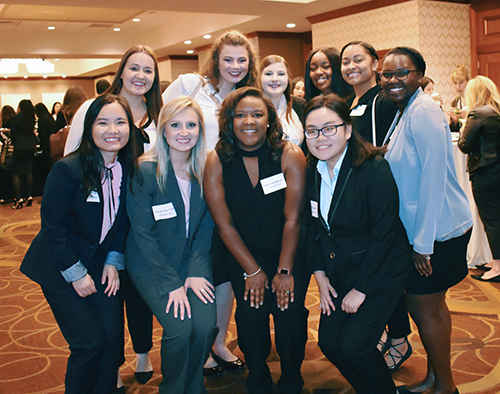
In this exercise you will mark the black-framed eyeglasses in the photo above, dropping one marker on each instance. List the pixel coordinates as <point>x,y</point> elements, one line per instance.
<point>401,75</point>
<point>327,131</point>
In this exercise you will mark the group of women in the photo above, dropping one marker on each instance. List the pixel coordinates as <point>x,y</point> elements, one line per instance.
<point>253,218</point>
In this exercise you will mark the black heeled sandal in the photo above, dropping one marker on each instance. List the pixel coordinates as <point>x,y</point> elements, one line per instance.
<point>29,201</point>
<point>18,204</point>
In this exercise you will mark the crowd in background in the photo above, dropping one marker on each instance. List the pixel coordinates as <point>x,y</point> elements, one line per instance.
<point>239,182</point>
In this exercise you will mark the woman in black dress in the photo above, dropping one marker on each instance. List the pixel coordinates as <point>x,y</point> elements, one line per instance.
<point>254,185</point>
<point>22,133</point>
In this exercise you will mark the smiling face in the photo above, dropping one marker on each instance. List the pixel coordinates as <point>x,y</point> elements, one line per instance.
<point>111,131</point>
<point>298,90</point>
<point>330,148</point>
<point>233,63</point>
<point>274,79</point>
<point>183,130</point>
<point>398,91</point>
<point>358,67</point>
<point>250,123</point>
<point>138,74</point>
<point>321,72</point>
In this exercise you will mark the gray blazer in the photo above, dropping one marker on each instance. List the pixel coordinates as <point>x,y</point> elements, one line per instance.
<point>157,249</point>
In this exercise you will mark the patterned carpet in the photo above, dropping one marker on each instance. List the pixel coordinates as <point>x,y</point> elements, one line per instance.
<point>33,352</point>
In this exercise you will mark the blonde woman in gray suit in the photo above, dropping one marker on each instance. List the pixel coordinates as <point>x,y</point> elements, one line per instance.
<point>168,247</point>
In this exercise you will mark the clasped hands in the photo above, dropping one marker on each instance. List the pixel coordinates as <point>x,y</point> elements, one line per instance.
<point>85,286</point>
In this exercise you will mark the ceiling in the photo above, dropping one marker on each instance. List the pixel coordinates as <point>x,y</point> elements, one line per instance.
<point>85,43</point>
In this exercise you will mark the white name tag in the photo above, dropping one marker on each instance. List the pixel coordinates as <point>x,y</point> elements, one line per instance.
<point>93,197</point>
<point>164,211</point>
<point>314,209</point>
<point>273,183</point>
<point>359,110</point>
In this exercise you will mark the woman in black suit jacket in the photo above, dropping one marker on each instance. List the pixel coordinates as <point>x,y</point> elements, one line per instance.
<point>76,256</point>
<point>358,247</point>
<point>168,248</point>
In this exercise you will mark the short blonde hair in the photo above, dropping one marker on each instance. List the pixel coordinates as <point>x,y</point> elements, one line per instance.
<point>482,91</point>
<point>460,73</point>
<point>160,153</point>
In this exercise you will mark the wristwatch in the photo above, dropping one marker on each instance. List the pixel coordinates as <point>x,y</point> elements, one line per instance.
<point>283,271</point>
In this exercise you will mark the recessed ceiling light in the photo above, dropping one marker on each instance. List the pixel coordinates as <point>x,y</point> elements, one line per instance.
<point>190,51</point>
<point>45,76</point>
<point>116,29</point>
<point>187,42</point>
<point>51,28</point>
<point>290,25</point>
<point>64,76</point>
<point>207,36</point>
<point>56,59</point>
<point>5,76</point>
<point>136,20</point>
<point>25,76</point>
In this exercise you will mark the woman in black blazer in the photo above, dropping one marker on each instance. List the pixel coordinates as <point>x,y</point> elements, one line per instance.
<point>168,247</point>
<point>76,256</point>
<point>358,247</point>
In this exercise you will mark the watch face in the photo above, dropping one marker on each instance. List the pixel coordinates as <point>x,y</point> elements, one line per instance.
<point>284,271</point>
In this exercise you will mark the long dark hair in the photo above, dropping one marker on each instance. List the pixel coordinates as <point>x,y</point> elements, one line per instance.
<point>153,96</point>
<point>90,155</point>
<point>8,112</point>
<point>226,147</point>
<point>359,148</point>
<point>42,111</point>
<point>27,114</point>
<point>338,85</point>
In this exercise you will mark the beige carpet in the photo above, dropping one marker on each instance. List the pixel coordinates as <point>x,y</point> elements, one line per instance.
<point>33,353</point>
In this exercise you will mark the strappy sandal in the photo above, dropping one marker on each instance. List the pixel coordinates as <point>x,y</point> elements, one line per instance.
<point>399,358</point>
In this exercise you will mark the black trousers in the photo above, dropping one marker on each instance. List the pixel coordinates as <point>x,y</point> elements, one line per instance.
<point>399,322</point>
<point>486,191</point>
<point>349,341</point>
<point>139,316</point>
<point>92,328</point>
<point>254,338</point>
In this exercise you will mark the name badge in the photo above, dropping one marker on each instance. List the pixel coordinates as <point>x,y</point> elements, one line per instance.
<point>273,183</point>
<point>164,211</point>
<point>314,209</point>
<point>359,110</point>
<point>93,197</point>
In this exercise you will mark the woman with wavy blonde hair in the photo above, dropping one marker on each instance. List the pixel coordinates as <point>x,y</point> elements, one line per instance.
<point>480,139</point>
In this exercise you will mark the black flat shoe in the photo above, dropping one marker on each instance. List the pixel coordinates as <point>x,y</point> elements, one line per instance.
<point>143,377</point>
<point>482,267</point>
<point>216,370</point>
<point>480,278</point>
<point>235,365</point>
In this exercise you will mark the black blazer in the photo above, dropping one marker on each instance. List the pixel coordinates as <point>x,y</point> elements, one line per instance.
<point>159,250</point>
<point>366,246</point>
<point>480,138</point>
<point>71,226</point>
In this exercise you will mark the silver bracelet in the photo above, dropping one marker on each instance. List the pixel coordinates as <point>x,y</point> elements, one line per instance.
<point>246,276</point>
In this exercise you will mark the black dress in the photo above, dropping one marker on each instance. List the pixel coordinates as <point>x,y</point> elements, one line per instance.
<point>259,219</point>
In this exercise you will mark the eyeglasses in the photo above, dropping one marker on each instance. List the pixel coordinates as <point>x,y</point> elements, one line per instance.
<point>401,75</point>
<point>327,131</point>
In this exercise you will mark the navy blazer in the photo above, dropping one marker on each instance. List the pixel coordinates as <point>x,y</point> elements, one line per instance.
<point>366,246</point>
<point>159,250</point>
<point>71,226</point>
